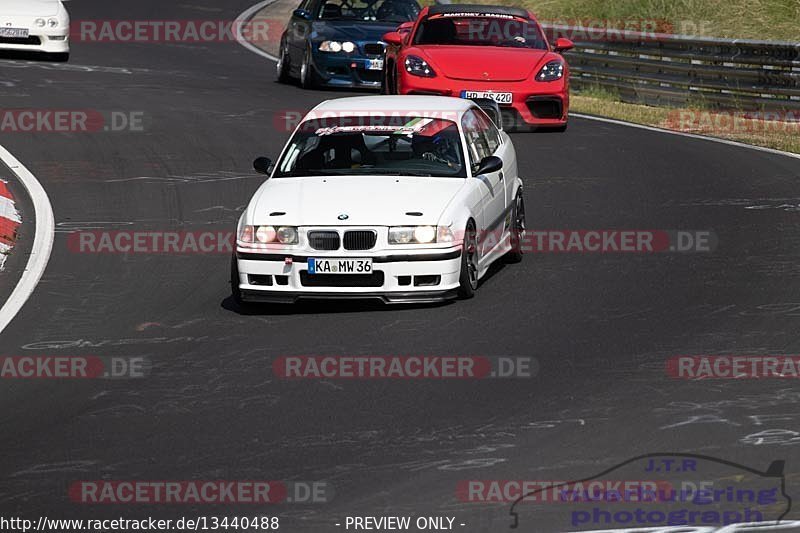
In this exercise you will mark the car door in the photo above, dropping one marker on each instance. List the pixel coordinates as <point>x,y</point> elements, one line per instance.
<point>300,29</point>
<point>504,149</point>
<point>492,185</point>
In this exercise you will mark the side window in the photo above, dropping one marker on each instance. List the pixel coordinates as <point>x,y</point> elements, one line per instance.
<point>475,134</point>
<point>492,135</point>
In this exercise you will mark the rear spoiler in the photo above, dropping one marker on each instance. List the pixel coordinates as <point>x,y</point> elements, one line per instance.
<point>491,108</point>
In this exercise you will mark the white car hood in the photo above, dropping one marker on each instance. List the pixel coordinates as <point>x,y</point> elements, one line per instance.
<point>38,8</point>
<point>365,200</point>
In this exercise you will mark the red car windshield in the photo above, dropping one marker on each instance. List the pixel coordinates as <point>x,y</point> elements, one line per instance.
<point>481,30</point>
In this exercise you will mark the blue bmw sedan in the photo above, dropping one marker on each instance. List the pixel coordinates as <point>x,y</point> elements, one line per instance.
<point>337,43</point>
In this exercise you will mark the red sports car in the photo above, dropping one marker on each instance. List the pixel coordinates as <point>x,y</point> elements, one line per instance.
<point>477,51</point>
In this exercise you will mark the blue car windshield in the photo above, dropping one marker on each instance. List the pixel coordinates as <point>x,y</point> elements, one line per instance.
<point>370,10</point>
<point>376,146</point>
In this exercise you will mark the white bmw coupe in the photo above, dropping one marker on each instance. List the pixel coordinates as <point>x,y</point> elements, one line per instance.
<point>399,198</point>
<point>35,26</point>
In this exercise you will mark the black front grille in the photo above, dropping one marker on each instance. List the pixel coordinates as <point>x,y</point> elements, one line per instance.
<point>323,240</point>
<point>370,76</point>
<point>341,280</point>
<point>32,40</point>
<point>373,49</point>
<point>360,240</point>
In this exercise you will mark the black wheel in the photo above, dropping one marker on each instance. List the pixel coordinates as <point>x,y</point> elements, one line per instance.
<point>468,280</point>
<point>517,229</point>
<point>236,292</point>
<point>308,78</point>
<point>560,129</point>
<point>284,65</point>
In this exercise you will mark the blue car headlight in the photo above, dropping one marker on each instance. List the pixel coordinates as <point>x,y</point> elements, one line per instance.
<point>337,46</point>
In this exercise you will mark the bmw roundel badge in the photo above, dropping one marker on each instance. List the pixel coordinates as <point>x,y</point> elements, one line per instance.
<point>343,216</point>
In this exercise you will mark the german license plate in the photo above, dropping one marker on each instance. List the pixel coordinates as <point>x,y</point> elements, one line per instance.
<point>14,33</point>
<point>500,98</point>
<point>374,64</point>
<point>339,266</point>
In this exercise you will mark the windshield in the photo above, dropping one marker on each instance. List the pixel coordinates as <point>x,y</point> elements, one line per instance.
<point>483,30</point>
<point>370,10</point>
<point>380,146</point>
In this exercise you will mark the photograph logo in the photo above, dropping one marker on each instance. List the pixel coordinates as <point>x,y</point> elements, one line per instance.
<point>691,491</point>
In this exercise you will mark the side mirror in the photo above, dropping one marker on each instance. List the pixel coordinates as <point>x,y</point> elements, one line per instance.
<point>489,164</point>
<point>393,38</point>
<point>405,28</point>
<point>562,45</point>
<point>262,165</point>
<point>301,14</point>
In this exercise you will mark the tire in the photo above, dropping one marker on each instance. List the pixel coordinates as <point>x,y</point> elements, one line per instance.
<point>560,129</point>
<point>468,279</point>
<point>308,78</point>
<point>385,84</point>
<point>236,292</point>
<point>284,65</point>
<point>518,227</point>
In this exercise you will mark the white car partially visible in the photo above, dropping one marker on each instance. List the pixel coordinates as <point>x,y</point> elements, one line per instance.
<point>35,26</point>
<point>397,198</point>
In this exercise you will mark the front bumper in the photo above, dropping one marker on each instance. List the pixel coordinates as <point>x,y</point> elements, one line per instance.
<point>55,41</point>
<point>337,70</point>
<point>418,276</point>
<point>534,103</point>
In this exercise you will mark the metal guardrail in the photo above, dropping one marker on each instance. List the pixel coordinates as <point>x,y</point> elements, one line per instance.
<point>676,70</point>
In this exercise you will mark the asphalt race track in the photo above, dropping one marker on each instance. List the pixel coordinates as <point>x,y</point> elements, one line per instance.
<point>600,326</point>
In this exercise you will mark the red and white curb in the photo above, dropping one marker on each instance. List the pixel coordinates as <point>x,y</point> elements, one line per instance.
<point>9,222</point>
<point>43,222</point>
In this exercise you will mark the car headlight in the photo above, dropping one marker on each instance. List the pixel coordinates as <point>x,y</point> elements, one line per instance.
<point>553,70</point>
<point>40,22</point>
<point>336,46</point>
<point>287,235</point>
<point>53,23</point>
<point>246,234</point>
<point>419,67</point>
<point>265,234</point>
<point>412,235</point>
<point>268,234</point>
<point>445,234</point>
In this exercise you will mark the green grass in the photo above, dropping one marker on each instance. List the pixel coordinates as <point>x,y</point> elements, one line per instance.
<point>753,19</point>
<point>780,136</point>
